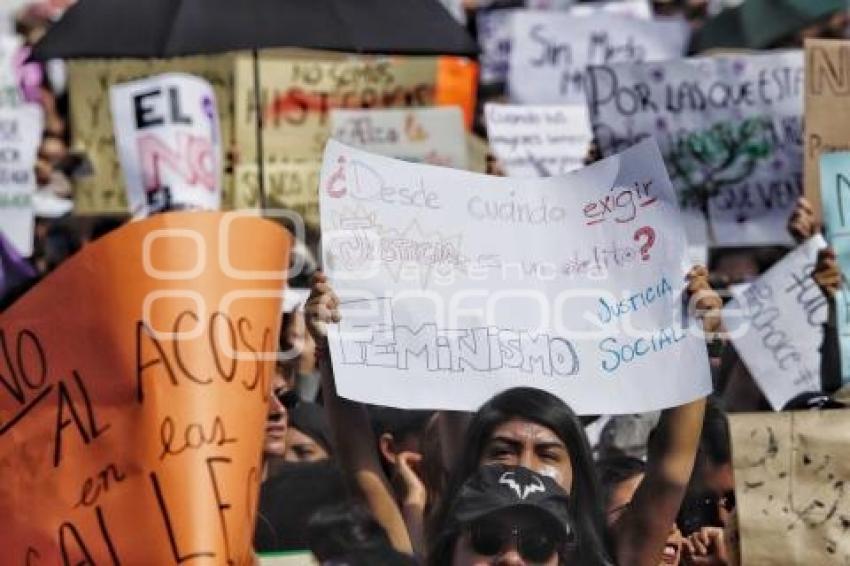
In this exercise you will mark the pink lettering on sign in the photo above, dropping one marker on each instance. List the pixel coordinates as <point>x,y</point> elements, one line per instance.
<point>622,206</point>
<point>193,160</point>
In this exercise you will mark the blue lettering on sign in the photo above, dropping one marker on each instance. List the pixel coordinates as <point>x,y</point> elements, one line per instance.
<point>617,353</point>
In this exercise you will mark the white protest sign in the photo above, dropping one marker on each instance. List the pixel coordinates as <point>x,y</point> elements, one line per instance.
<point>494,30</point>
<point>10,93</point>
<point>538,141</point>
<point>776,325</point>
<point>730,130</point>
<point>434,135</point>
<point>20,135</point>
<point>634,8</point>
<point>494,40</point>
<point>455,286</point>
<point>169,143</point>
<point>550,51</point>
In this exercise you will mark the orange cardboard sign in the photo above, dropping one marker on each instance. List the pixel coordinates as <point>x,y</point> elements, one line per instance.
<point>457,84</point>
<point>134,385</point>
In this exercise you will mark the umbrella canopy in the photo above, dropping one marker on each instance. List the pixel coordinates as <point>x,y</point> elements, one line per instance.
<point>757,24</point>
<point>170,28</point>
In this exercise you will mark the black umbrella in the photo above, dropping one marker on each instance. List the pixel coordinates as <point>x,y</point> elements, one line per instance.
<point>168,28</point>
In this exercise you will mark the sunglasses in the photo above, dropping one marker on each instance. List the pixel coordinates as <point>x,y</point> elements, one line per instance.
<point>533,544</point>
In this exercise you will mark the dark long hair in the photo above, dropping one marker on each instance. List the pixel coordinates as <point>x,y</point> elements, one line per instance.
<point>545,409</point>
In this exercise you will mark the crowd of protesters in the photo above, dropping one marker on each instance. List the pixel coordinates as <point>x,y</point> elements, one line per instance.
<point>523,480</point>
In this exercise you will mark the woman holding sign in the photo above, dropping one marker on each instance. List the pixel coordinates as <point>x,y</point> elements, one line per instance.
<point>533,429</point>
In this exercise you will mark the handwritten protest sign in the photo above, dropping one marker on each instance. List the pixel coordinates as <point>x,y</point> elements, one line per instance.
<point>421,135</point>
<point>550,51</point>
<point>290,185</point>
<point>20,135</point>
<point>827,94</point>
<point>730,129</point>
<point>494,30</point>
<point>835,194</point>
<point>101,189</point>
<point>169,143</point>
<point>131,424</point>
<point>776,325</point>
<point>456,285</point>
<point>494,41</point>
<point>792,477</point>
<point>298,89</point>
<point>10,93</point>
<point>634,8</point>
<point>538,141</point>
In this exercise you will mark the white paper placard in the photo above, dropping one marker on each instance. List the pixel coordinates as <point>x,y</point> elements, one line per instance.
<point>455,285</point>
<point>776,325</point>
<point>493,27</point>
<point>730,130</point>
<point>433,135</point>
<point>20,136</point>
<point>538,141</point>
<point>169,143</point>
<point>10,93</point>
<point>551,50</point>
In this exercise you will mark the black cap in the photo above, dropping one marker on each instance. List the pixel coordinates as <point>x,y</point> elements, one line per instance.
<point>497,488</point>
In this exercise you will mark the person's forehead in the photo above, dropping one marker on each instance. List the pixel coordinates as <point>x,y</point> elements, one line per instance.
<point>624,491</point>
<point>523,430</point>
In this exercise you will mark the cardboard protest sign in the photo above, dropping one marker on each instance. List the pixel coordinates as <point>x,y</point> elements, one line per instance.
<point>538,141</point>
<point>776,325</point>
<point>835,195</point>
<point>792,472</point>
<point>455,286</point>
<point>494,30</point>
<point>827,121</point>
<point>169,143</point>
<point>299,89</point>
<point>730,129</point>
<point>290,185</point>
<point>430,135</point>
<point>550,51</point>
<point>135,383</point>
<point>20,136</point>
<point>99,187</point>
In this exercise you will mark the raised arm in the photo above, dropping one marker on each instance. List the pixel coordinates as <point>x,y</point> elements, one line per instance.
<point>354,442</point>
<point>642,530</point>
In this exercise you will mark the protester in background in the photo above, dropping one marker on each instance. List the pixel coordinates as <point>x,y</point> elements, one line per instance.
<point>295,342</point>
<point>274,446</point>
<point>827,274</point>
<point>290,498</point>
<point>347,535</point>
<point>711,493</point>
<point>354,444</point>
<point>620,477</point>
<point>507,515</point>
<point>308,434</point>
<point>802,225</point>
